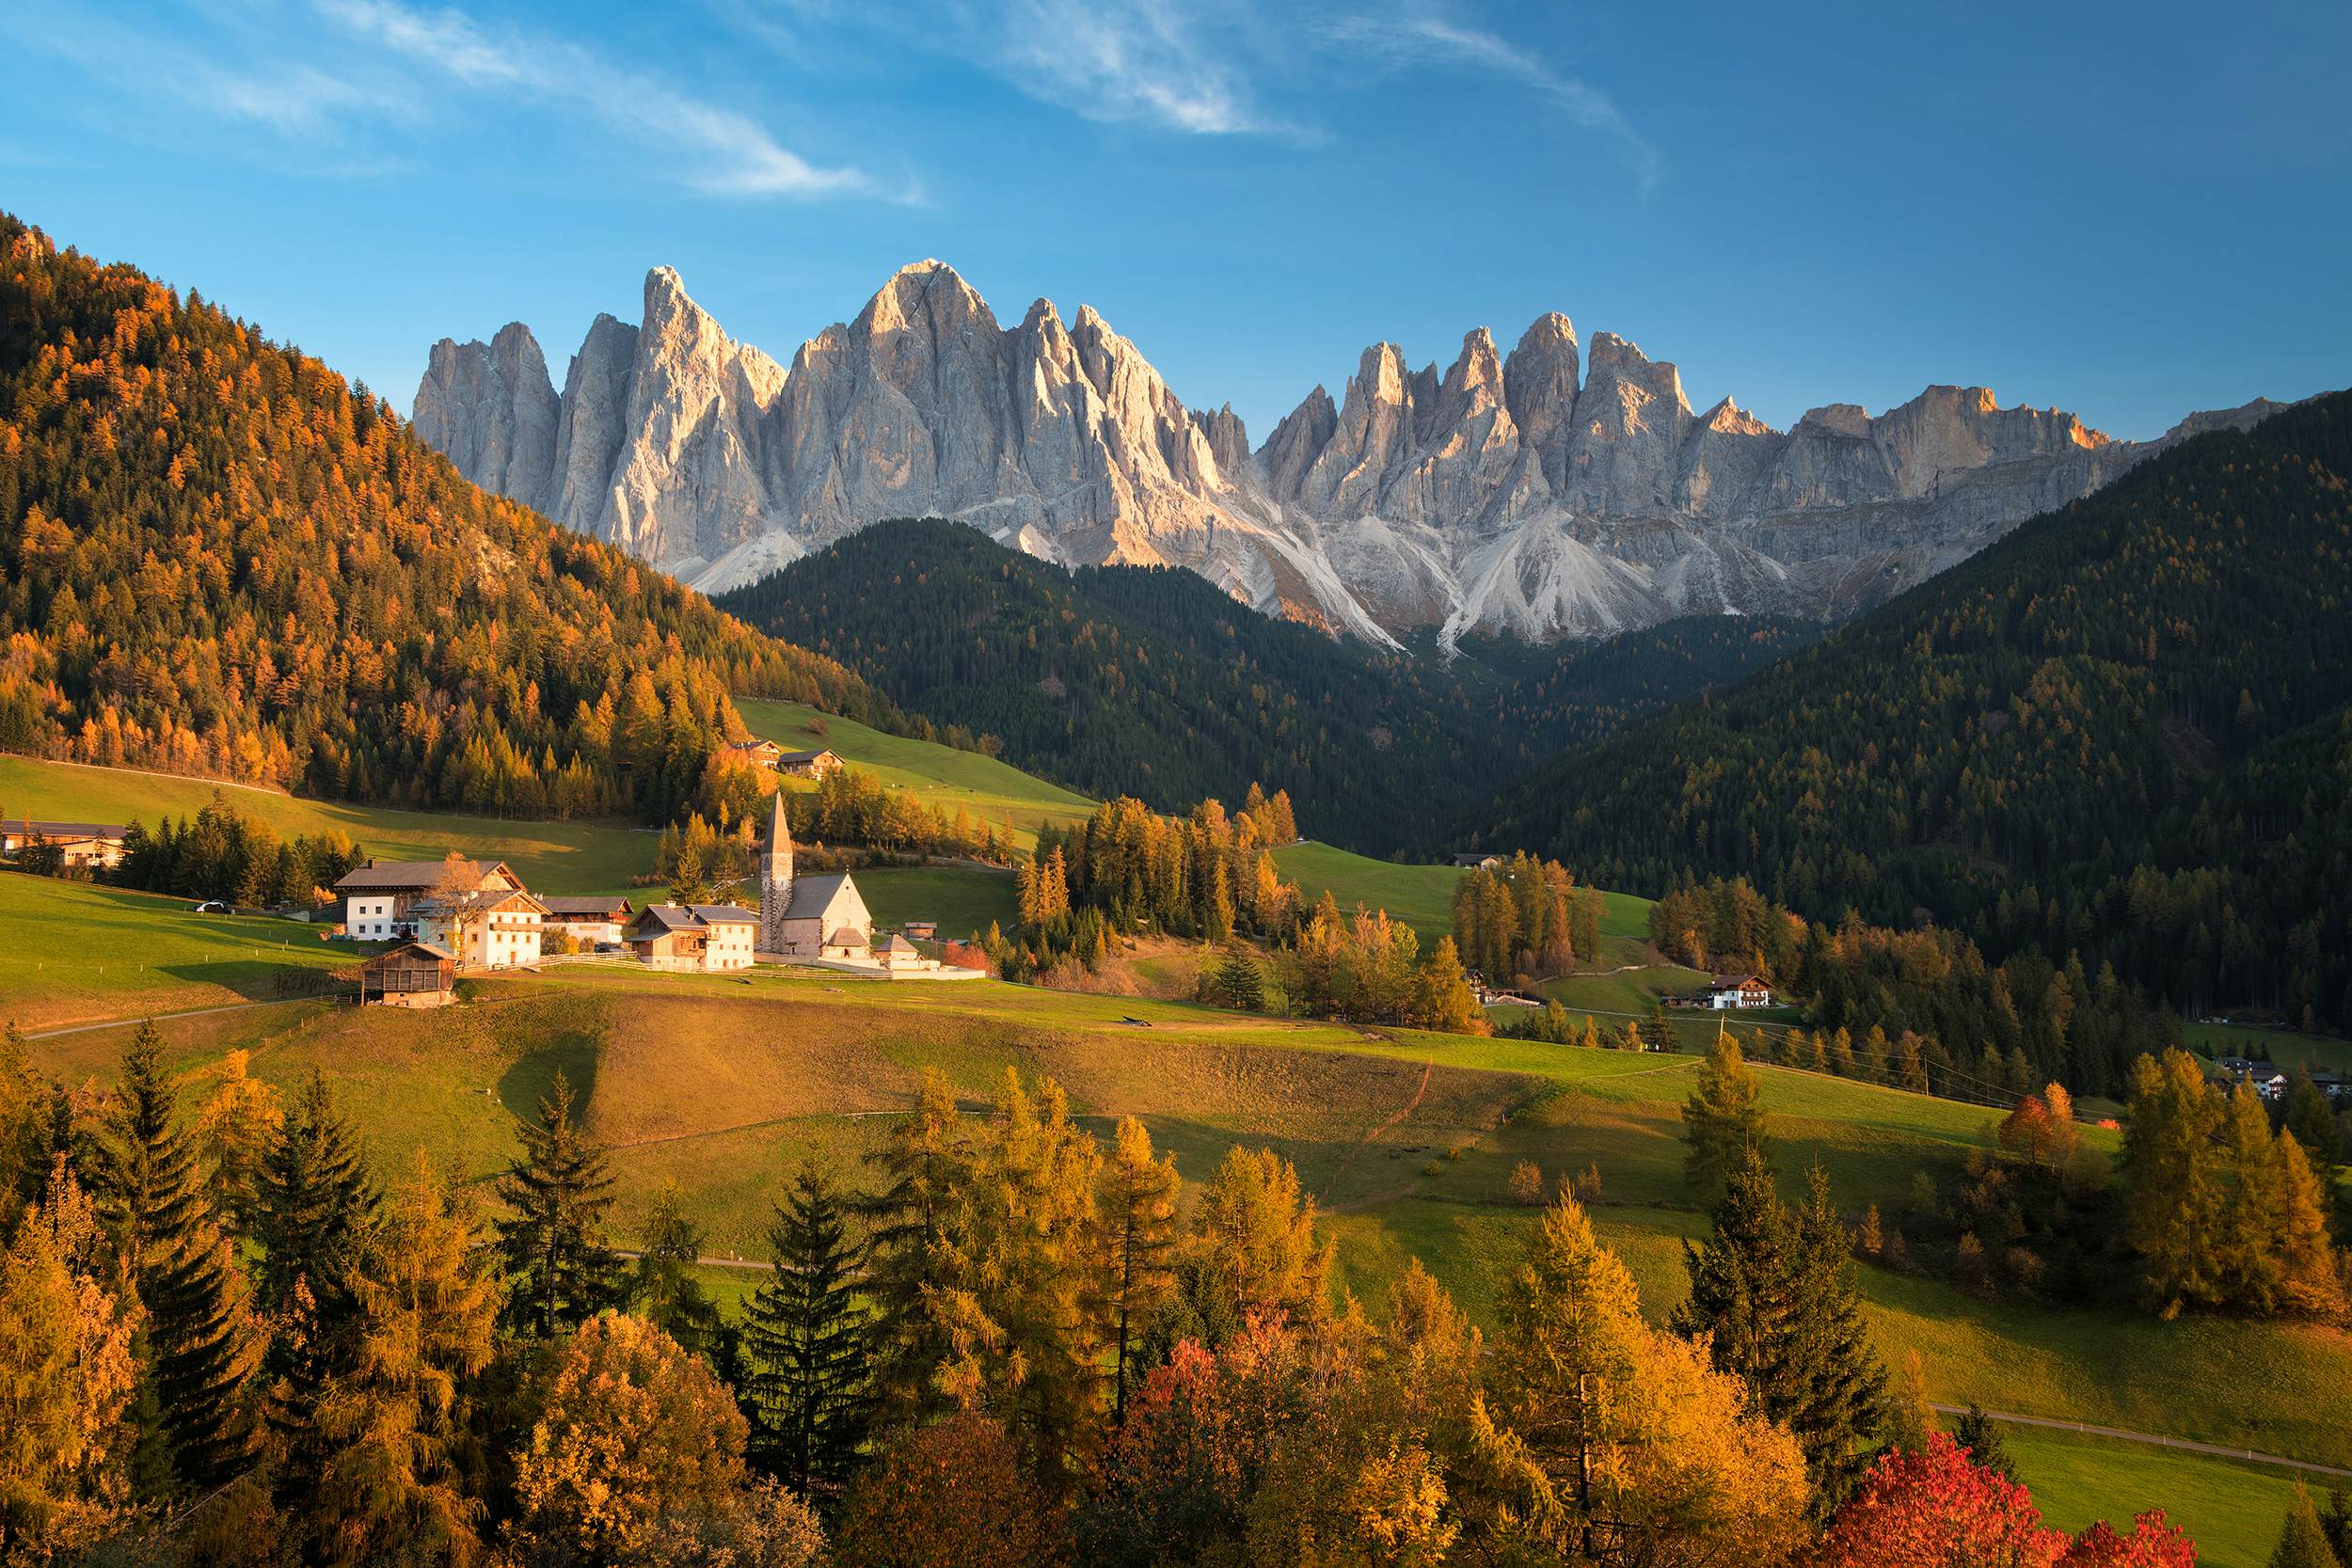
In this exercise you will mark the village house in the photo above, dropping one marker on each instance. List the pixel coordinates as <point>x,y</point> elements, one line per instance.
<point>699,939</point>
<point>808,765</point>
<point>80,845</point>
<point>759,753</point>
<point>594,920</point>
<point>491,927</point>
<point>803,765</point>
<point>2268,1081</point>
<point>378,896</point>
<point>1731,991</point>
<point>1477,862</point>
<point>414,975</point>
<point>802,916</point>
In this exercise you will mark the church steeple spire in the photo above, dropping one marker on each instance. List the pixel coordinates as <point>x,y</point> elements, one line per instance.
<point>775,877</point>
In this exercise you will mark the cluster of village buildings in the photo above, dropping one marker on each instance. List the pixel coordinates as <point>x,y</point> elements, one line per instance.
<point>454,917</point>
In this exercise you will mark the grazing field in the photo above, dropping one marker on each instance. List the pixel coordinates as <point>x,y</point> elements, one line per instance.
<point>2231,1510</point>
<point>938,775</point>
<point>77,953</point>
<point>1423,895</point>
<point>552,857</point>
<point>2285,1047</point>
<point>965,900</point>
<point>1407,1141</point>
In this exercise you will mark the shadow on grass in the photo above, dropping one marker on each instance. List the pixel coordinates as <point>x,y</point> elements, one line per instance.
<point>571,1043</point>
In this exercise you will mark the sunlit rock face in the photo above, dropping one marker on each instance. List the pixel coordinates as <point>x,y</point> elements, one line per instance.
<point>1552,492</point>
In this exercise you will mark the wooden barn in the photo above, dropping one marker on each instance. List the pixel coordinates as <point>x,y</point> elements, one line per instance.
<point>414,975</point>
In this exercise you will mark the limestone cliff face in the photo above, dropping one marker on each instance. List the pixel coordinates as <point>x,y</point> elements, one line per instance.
<point>1557,492</point>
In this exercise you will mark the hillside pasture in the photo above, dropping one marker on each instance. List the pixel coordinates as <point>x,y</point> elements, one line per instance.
<point>552,857</point>
<point>78,952</point>
<point>994,791</point>
<point>722,1084</point>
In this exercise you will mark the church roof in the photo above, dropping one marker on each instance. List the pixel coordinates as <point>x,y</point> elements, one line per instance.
<point>848,936</point>
<point>899,944</point>
<point>813,895</point>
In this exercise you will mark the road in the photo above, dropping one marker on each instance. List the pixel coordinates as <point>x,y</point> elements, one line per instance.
<point>2217,1449</point>
<point>162,1017</point>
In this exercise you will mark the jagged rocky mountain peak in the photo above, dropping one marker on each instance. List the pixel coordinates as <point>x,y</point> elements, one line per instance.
<point>1562,489</point>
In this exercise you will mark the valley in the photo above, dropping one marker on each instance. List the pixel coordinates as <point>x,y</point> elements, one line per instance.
<point>720,1085</point>
<point>1463,797</point>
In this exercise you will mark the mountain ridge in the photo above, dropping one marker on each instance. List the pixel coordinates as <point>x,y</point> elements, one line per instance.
<point>1547,493</point>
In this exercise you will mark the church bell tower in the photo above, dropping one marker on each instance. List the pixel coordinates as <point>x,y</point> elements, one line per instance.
<point>775,878</point>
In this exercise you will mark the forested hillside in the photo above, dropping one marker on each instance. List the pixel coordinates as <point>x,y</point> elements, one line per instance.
<point>222,560</point>
<point>1151,682</point>
<point>2122,734</point>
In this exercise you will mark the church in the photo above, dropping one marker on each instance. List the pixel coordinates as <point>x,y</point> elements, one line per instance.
<point>808,918</point>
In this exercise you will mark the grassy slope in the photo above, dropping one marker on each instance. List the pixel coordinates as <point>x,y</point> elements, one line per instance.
<point>552,857</point>
<point>2231,1511</point>
<point>939,775</point>
<point>78,952</point>
<point>1420,896</point>
<point>2285,1047</point>
<point>722,1082</point>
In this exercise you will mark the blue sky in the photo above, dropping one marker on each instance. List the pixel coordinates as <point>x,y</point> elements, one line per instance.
<point>2126,211</point>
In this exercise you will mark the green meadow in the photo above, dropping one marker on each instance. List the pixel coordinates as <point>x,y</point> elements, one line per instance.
<point>552,857</point>
<point>1407,1140</point>
<point>994,791</point>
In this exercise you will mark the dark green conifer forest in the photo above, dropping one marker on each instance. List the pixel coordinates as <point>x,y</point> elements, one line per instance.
<point>2121,736</point>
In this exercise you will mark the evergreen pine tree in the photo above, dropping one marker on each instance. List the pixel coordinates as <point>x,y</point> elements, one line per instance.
<point>807,1343</point>
<point>559,1267</point>
<point>1236,983</point>
<point>664,1291</point>
<point>1722,1123</point>
<point>24,1117</point>
<point>2303,1542</point>
<point>1980,1435</point>
<point>1845,1407</point>
<point>314,1204</point>
<point>1777,1295</point>
<point>200,1337</point>
<point>315,1209</point>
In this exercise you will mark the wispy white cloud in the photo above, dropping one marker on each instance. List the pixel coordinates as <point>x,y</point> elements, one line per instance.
<point>1142,61</point>
<point>731,152</point>
<point>1211,67</point>
<point>1423,39</point>
<point>383,71</point>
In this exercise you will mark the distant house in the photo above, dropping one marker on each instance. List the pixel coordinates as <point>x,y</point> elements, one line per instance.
<point>759,753</point>
<point>1732,990</point>
<point>699,939</point>
<point>491,927</point>
<point>595,920</point>
<point>807,765</point>
<point>1477,862</point>
<point>80,845</point>
<point>922,931</point>
<point>768,755</point>
<point>378,896</point>
<point>414,975</point>
<point>2268,1080</point>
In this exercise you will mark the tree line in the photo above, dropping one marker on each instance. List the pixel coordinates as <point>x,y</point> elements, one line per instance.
<point>1920,1007</point>
<point>1018,1343</point>
<point>222,853</point>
